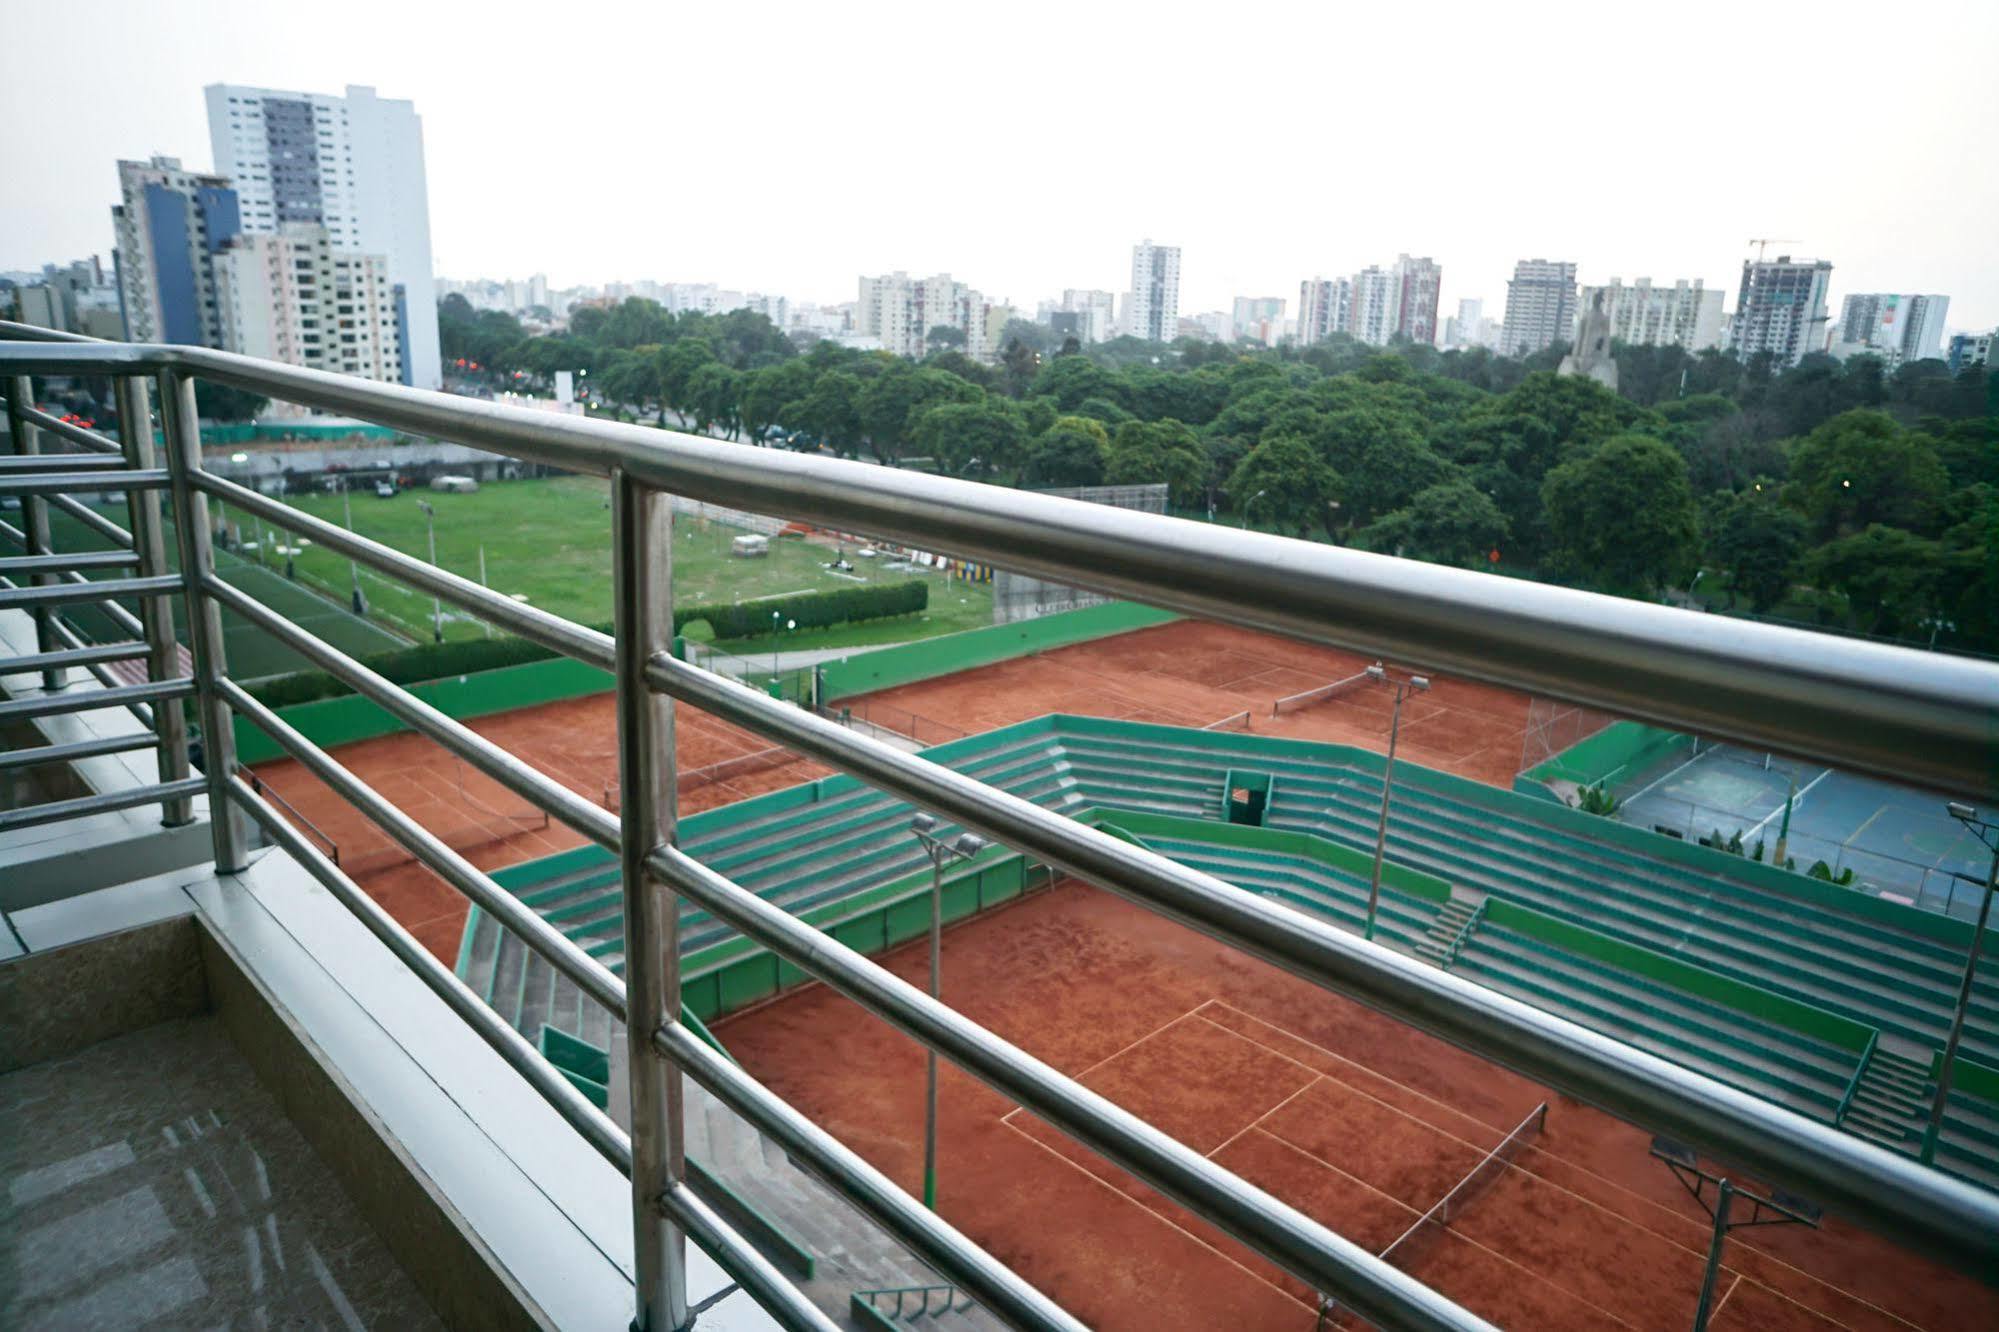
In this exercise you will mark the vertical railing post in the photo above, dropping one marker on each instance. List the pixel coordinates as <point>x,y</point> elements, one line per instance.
<point>642,596</point>
<point>35,522</point>
<point>135,438</point>
<point>204,619</point>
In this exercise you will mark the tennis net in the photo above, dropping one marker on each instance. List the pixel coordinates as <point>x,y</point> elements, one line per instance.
<point>1306,698</point>
<point>1403,1251</point>
<point>1410,1243</point>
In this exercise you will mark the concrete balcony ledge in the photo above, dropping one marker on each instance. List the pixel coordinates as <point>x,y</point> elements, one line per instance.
<point>498,1212</point>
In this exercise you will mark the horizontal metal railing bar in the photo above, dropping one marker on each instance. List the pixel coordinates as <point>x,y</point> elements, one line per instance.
<point>105,802</point>
<point>756,1274</point>
<point>935,1241</point>
<point>82,464</point>
<point>557,949</point>
<point>66,634</point>
<point>597,1128</point>
<point>78,559</point>
<point>1900,1197</point>
<point>93,520</point>
<point>52,483</point>
<point>76,749</point>
<point>84,656</point>
<point>87,589</point>
<point>89,700</point>
<point>71,431</point>
<point>530,622</point>
<point>1913,716</point>
<point>1602,1082</point>
<point>526,781</point>
<point>1295,1242</point>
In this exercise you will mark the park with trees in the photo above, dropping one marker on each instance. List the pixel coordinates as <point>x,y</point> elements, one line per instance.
<point>1840,495</point>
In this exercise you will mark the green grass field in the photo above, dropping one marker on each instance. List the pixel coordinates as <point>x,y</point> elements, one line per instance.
<point>252,653</point>
<point>550,540</point>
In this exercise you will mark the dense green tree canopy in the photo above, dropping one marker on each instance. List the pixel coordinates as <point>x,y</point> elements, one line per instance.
<point>1836,492</point>
<point>1621,515</point>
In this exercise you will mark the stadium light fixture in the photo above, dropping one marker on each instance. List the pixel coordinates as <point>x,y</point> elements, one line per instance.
<point>436,605</point>
<point>923,826</point>
<point>1419,684</point>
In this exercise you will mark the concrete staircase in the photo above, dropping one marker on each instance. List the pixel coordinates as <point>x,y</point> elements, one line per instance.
<point>1891,1102</point>
<point>1450,928</point>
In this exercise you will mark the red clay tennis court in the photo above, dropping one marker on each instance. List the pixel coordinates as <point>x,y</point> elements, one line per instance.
<point>1195,673</point>
<point>575,742</point>
<point>1351,1117</point>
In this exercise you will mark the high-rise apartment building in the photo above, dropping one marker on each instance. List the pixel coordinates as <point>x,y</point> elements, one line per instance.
<point>1095,311</point>
<point>1894,326</point>
<point>1780,308</point>
<point>1648,314</point>
<point>1469,327</point>
<point>1152,306</point>
<point>1376,306</point>
<point>900,312</point>
<point>1540,306</point>
<point>1399,300</point>
<point>353,164</point>
<point>291,295</point>
<point>169,223</point>
<point>1325,307</point>
<point>1418,281</point>
<point>1970,351</point>
<point>1260,318</point>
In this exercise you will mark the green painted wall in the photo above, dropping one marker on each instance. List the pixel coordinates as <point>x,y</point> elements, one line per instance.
<point>339,721</point>
<point>950,653</point>
<point>1698,981</point>
<point>1624,746</point>
<point>1303,845</point>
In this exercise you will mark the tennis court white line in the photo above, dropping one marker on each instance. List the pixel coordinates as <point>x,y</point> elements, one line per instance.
<point>1793,803</point>
<point>1079,1076</point>
<point>1641,793</point>
<point>1168,1222</point>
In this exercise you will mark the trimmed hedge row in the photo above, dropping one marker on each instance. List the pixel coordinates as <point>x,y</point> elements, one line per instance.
<point>811,610</point>
<point>438,661</point>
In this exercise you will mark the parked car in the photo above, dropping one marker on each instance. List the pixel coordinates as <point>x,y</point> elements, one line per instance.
<point>385,490</point>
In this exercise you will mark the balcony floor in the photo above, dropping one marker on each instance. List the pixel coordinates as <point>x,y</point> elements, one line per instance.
<point>151,1179</point>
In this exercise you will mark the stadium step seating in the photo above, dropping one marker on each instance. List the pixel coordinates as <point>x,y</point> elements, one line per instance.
<point>1774,1061</point>
<point>816,847</point>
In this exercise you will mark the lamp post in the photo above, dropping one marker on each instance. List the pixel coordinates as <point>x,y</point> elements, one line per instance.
<point>436,606</point>
<point>1245,507</point>
<point>775,617</point>
<point>1418,684</point>
<point>964,846</point>
<point>353,570</point>
<point>1979,828</point>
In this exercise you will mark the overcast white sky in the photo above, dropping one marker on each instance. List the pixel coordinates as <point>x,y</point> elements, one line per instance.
<point>1024,147</point>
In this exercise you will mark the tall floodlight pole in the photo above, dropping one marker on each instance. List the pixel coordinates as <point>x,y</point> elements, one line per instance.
<point>1418,684</point>
<point>353,569</point>
<point>962,847</point>
<point>1979,828</point>
<point>436,606</point>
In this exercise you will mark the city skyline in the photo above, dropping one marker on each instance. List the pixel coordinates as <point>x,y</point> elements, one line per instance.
<point>522,184</point>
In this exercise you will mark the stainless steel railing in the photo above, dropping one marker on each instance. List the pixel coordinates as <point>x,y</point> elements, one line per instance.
<point>1899,714</point>
<point>45,581</point>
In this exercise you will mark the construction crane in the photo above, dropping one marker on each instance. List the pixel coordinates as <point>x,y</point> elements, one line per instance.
<point>1761,242</point>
